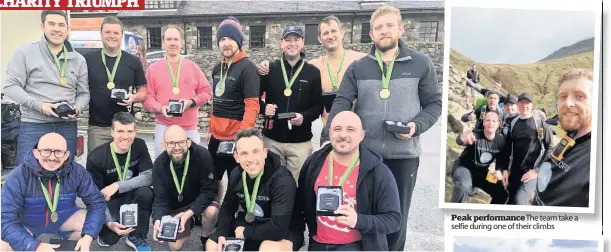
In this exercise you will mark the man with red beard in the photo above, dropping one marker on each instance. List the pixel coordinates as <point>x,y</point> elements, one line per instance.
<point>564,180</point>
<point>235,102</point>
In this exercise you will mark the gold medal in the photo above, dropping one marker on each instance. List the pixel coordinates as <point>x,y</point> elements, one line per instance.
<point>175,90</point>
<point>384,93</point>
<point>288,92</point>
<point>219,92</point>
<point>63,80</point>
<point>54,217</point>
<point>110,85</point>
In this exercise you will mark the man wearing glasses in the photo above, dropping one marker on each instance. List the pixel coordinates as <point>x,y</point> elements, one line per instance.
<point>122,170</point>
<point>184,185</point>
<point>31,202</point>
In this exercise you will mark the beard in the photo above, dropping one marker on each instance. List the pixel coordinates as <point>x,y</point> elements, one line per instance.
<point>385,46</point>
<point>574,123</point>
<point>227,55</point>
<point>178,160</point>
<point>291,57</point>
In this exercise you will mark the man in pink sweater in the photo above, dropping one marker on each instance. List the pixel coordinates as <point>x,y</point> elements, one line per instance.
<point>175,78</point>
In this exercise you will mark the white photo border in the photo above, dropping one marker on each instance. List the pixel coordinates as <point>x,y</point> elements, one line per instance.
<point>560,5</point>
<point>451,239</point>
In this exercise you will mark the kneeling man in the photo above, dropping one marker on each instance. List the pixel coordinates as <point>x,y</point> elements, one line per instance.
<point>473,167</point>
<point>265,191</point>
<point>347,196</point>
<point>184,185</point>
<point>39,197</point>
<point>122,170</point>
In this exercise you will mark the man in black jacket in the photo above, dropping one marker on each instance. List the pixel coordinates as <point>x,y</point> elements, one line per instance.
<point>367,185</point>
<point>292,85</point>
<point>265,190</point>
<point>182,191</point>
<point>565,177</point>
<point>122,171</point>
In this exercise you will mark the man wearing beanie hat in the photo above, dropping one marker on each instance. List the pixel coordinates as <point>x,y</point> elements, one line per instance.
<point>235,101</point>
<point>529,141</point>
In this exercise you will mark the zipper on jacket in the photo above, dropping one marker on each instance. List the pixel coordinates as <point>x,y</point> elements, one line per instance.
<point>288,103</point>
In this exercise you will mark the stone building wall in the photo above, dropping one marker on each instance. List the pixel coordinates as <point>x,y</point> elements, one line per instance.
<point>352,26</point>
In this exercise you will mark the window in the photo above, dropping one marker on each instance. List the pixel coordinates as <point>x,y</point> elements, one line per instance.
<point>152,4</point>
<point>428,31</point>
<point>311,34</point>
<point>257,36</point>
<point>365,28</point>
<point>204,37</point>
<point>153,37</point>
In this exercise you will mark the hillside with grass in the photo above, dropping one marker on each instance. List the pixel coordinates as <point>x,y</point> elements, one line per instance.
<point>540,79</point>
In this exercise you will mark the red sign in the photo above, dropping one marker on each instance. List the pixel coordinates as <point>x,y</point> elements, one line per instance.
<point>71,4</point>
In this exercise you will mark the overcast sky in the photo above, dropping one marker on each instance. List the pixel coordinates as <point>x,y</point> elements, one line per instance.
<point>485,244</point>
<point>516,36</point>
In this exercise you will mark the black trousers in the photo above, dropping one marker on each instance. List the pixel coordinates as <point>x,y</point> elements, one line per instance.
<point>405,172</point>
<point>520,193</point>
<point>465,181</point>
<point>317,246</point>
<point>143,196</point>
<point>222,163</point>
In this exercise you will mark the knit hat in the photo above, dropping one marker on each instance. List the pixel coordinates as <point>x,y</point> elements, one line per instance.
<point>230,28</point>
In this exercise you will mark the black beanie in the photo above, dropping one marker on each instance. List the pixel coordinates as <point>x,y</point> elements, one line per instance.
<point>231,28</point>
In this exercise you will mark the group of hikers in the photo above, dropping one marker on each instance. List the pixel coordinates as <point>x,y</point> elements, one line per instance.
<point>353,193</point>
<point>509,152</point>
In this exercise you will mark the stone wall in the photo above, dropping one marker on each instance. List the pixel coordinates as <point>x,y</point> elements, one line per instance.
<point>207,59</point>
<point>351,25</point>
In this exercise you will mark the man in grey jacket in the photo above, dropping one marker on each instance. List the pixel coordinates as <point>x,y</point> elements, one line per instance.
<point>410,95</point>
<point>41,75</point>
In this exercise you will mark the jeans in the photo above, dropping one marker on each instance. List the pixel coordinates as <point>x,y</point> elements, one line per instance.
<point>30,133</point>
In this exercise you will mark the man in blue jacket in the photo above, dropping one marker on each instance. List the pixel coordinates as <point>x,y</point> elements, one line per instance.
<point>393,83</point>
<point>369,204</point>
<point>39,197</point>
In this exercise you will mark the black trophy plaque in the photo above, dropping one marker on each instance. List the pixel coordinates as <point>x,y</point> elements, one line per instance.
<point>118,95</point>
<point>226,148</point>
<point>129,215</point>
<point>234,244</point>
<point>175,108</point>
<point>169,229</point>
<point>397,127</point>
<point>328,199</point>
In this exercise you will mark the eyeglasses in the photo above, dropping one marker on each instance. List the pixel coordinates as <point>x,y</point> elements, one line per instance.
<point>173,144</point>
<point>57,153</point>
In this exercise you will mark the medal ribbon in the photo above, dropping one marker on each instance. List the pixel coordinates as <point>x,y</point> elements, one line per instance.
<point>127,159</point>
<point>45,192</point>
<point>386,75</point>
<point>111,76</point>
<point>176,76</point>
<point>251,199</point>
<point>336,77</point>
<point>286,79</point>
<point>221,85</point>
<point>184,174</point>
<point>346,173</point>
<point>61,69</point>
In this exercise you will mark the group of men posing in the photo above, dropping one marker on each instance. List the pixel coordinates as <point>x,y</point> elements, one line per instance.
<point>273,194</point>
<point>509,153</point>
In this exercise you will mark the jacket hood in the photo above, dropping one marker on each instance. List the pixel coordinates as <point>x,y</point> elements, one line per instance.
<point>31,164</point>
<point>368,158</point>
